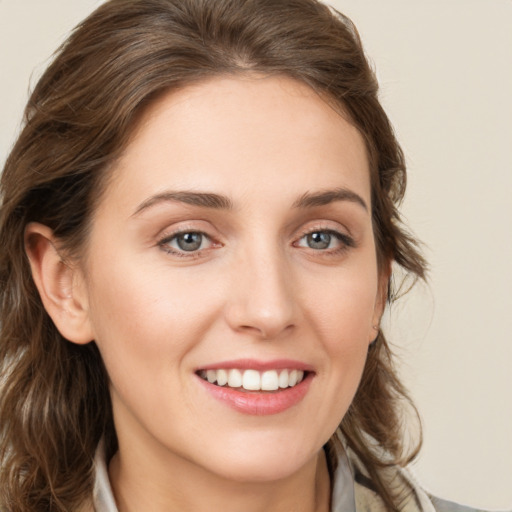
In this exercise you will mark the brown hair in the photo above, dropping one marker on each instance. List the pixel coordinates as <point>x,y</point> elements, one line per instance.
<point>54,401</point>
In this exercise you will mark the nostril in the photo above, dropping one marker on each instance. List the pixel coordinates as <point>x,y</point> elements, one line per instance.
<point>265,330</point>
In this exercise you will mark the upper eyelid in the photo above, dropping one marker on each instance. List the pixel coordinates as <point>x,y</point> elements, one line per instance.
<point>324,226</point>
<point>341,236</point>
<point>299,233</point>
<point>209,230</point>
<point>171,236</point>
<point>185,227</point>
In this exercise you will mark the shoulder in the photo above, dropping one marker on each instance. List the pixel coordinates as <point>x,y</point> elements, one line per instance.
<point>441,505</point>
<point>415,497</point>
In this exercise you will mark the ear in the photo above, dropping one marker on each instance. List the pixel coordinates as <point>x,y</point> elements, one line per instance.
<point>380,300</point>
<point>60,285</point>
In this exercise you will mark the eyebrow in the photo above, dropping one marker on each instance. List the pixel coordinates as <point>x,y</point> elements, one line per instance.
<point>322,198</point>
<point>221,202</point>
<point>203,199</point>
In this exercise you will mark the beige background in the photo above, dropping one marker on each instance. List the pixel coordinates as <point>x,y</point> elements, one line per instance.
<point>446,72</point>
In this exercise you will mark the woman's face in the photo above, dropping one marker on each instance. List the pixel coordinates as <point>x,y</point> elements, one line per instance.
<point>234,242</point>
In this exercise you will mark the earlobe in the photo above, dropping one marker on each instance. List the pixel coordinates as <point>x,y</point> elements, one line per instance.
<point>60,285</point>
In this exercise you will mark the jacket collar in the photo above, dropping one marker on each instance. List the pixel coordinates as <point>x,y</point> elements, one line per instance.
<point>415,499</point>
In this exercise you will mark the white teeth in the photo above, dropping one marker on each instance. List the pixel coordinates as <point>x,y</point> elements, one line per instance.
<point>269,381</point>
<point>292,378</point>
<point>235,379</point>
<point>283,379</point>
<point>253,380</point>
<point>222,377</point>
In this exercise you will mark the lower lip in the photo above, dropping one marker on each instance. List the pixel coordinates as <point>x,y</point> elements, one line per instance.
<point>259,403</point>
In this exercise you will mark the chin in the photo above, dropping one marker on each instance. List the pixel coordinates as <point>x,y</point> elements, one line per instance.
<point>263,463</point>
<point>261,471</point>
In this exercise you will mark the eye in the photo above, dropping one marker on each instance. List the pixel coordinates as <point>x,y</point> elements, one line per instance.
<point>323,240</point>
<point>319,240</point>
<point>186,242</point>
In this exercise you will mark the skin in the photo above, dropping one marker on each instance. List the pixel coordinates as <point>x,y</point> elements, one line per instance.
<point>255,289</point>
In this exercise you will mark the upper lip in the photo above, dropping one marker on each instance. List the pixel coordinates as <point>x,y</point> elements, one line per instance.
<point>255,364</point>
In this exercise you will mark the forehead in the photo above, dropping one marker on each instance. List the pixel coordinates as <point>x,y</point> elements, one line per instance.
<point>235,135</point>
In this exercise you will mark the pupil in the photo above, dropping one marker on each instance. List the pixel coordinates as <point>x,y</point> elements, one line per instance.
<point>189,241</point>
<point>319,240</point>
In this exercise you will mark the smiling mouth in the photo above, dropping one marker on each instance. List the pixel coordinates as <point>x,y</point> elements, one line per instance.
<point>253,380</point>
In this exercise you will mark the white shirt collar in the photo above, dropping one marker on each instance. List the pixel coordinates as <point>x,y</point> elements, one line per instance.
<point>103,497</point>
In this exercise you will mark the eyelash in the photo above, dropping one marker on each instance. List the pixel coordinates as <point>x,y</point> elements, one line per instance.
<point>346,242</point>
<point>164,243</point>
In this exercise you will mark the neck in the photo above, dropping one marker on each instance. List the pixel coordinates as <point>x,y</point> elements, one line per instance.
<point>179,485</point>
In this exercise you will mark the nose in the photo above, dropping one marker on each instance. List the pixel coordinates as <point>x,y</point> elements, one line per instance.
<point>262,299</point>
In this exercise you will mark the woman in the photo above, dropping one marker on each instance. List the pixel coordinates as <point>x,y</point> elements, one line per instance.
<point>198,225</point>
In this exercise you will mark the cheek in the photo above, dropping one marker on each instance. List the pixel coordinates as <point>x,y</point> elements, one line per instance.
<point>343,318</point>
<point>344,308</point>
<point>148,328</point>
<point>144,322</point>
